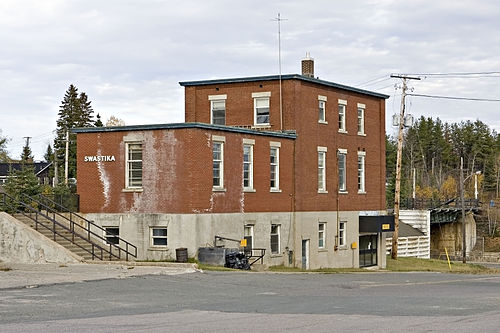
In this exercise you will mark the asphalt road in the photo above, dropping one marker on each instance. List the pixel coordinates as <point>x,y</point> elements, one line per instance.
<point>259,302</point>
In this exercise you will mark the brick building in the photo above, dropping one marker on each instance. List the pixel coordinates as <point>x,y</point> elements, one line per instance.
<point>294,164</point>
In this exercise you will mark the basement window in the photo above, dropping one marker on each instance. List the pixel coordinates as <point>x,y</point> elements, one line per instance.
<point>111,234</point>
<point>159,236</point>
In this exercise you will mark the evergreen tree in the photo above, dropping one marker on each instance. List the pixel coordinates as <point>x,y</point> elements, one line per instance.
<point>75,111</point>
<point>4,156</point>
<point>98,122</point>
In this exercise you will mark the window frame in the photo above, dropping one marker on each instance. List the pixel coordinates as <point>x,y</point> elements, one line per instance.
<point>276,165</point>
<point>153,237</point>
<point>342,114</point>
<point>342,170</point>
<point>128,166</point>
<point>322,170</point>
<point>249,227</point>
<point>321,235</point>
<point>362,172</point>
<point>342,233</point>
<point>248,144</point>
<point>218,140</point>
<point>261,96</point>
<point>107,235</point>
<point>361,119</point>
<point>322,109</point>
<point>213,100</point>
<point>278,236</point>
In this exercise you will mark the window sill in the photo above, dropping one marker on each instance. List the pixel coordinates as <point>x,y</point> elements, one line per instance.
<point>276,255</point>
<point>158,248</point>
<point>343,192</point>
<point>218,189</point>
<point>361,192</point>
<point>132,190</point>
<point>275,190</point>
<point>323,122</point>
<point>343,247</point>
<point>323,250</point>
<point>361,134</point>
<point>261,126</point>
<point>251,190</point>
<point>342,131</point>
<point>322,191</point>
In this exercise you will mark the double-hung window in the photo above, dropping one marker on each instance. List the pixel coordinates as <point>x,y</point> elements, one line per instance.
<point>275,238</point>
<point>322,109</point>
<point>112,235</point>
<point>248,164</point>
<point>361,171</point>
<point>361,119</point>
<point>261,108</point>
<point>342,115</point>
<point>322,169</point>
<point>217,109</point>
<point>159,236</point>
<point>341,156</point>
<point>274,157</point>
<point>321,235</point>
<point>342,235</point>
<point>133,178</point>
<point>218,162</point>
<point>248,236</point>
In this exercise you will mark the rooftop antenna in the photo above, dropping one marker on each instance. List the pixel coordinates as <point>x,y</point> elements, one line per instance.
<point>279,19</point>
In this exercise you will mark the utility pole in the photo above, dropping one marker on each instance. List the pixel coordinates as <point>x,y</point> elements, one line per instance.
<point>464,242</point>
<point>279,19</point>
<point>66,159</point>
<point>397,193</point>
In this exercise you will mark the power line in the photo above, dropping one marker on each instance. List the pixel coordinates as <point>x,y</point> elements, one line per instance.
<point>453,74</point>
<point>456,98</point>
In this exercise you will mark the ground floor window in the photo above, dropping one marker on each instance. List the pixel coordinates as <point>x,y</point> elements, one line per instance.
<point>248,235</point>
<point>342,240</point>
<point>275,238</point>
<point>321,235</point>
<point>111,234</point>
<point>159,236</point>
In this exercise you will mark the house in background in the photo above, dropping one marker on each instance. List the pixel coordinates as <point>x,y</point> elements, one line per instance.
<point>41,170</point>
<point>293,164</point>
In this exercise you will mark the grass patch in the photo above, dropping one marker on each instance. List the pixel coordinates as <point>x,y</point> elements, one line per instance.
<point>218,268</point>
<point>434,265</point>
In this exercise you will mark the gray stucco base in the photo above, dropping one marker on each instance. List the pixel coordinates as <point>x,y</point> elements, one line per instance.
<point>21,244</point>
<point>193,231</point>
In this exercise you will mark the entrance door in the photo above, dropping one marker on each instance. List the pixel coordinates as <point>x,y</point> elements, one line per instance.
<point>305,254</point>
<point>367,250</point>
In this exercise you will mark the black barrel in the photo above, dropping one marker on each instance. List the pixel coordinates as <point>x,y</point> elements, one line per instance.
<point>181,254</point>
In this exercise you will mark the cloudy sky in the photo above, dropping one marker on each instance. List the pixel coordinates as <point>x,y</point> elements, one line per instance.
<point>128,56</point>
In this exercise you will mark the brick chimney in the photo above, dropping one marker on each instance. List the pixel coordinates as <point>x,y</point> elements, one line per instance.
<point>308,66</point>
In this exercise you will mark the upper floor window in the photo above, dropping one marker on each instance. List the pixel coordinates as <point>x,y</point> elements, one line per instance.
<point>275,166</point>
<point>361,172</point>
<point>322,109</point>
<point>361,119</point>
<point>248,164</point>
<point>342,115</point>
<point>261,108</point>
<point>218,162</point>
<point>133,177</point>
<point>322,169</point>
<point>342,154</point>
<point>217,109</point>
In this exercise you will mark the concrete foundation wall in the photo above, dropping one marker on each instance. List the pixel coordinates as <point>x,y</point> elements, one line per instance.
<point>193,231</point>
<point>21,244</point>
<point>449,236</point>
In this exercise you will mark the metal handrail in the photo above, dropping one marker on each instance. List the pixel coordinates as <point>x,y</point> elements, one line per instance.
<point>15,206</point>
<point>258,257</point>
<point>88,229</point>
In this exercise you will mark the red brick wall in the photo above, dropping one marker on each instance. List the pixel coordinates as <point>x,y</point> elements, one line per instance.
<point>177,173</point>
<point>300,113</point>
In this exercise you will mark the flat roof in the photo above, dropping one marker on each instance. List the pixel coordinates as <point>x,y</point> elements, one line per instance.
<point>283,77</point>
<point>284,134</point>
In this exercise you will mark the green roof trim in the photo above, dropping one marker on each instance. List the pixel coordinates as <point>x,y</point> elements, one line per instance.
<point>283,77</point>
<point>284,134</point>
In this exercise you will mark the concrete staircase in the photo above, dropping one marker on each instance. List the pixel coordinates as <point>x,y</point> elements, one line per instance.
<point>75,244</point>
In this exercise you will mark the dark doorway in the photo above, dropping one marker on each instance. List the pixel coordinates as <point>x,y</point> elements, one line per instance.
<point>367,250</point>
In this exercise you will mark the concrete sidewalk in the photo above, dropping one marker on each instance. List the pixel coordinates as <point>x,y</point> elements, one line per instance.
<point>33,275</point>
